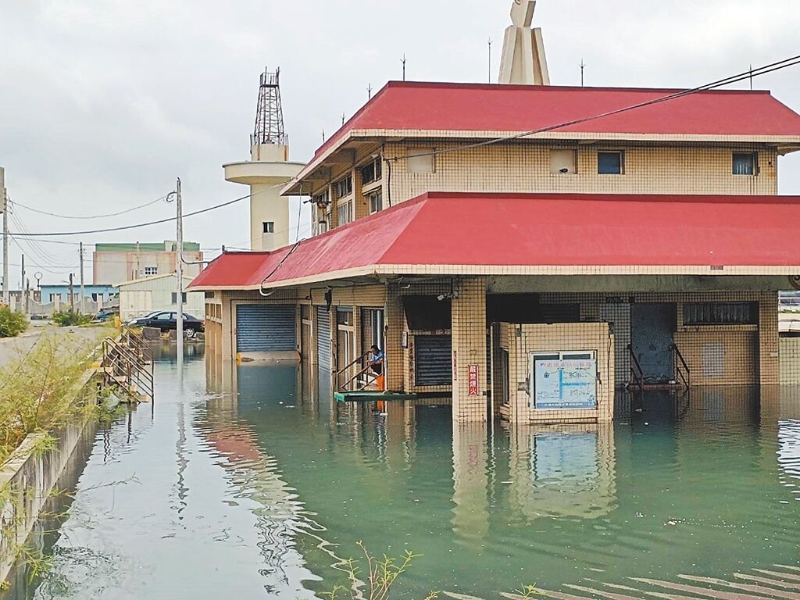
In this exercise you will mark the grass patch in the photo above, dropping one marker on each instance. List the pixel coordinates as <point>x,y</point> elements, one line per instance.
<point>67,318</point>
<point>38,389</point>
<point>12,322</point>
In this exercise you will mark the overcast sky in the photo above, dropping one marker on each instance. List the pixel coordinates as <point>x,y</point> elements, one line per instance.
<point>103,103</point>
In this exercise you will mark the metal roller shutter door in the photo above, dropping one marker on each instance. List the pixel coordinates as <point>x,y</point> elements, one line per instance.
<point>433,362</point>
<point>266,328</point>
<point>323,337</point>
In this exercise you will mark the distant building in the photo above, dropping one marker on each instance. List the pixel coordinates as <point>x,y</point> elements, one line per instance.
<point>114,263</point>
<point>140,297</point>
<point>59,293</point>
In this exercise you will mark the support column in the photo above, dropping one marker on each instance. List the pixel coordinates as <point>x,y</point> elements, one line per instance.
<point>768,341</point>
<point>394,322</point>
<point>469,351</point>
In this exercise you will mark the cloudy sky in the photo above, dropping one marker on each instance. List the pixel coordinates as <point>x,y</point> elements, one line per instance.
<point>103,103</point>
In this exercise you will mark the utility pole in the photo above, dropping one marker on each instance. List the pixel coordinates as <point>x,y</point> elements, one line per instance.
<point>27,295</point>
<point>583,66</point>
<point>71,295</point>
<point>83,294</point>
<point>6,299</point>
<point>23,301</point>
<point>490,60</point>
<point>179,257</point>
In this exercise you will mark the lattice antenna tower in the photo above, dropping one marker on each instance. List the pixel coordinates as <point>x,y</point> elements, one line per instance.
<point>269,115</point>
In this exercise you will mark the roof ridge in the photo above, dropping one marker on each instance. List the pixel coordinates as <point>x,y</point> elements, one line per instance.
<point>552,88</point>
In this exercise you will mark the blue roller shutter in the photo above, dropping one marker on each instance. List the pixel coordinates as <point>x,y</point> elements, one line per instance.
<point>433,360</point>
<point>323,338</point>
<point>266,328</point>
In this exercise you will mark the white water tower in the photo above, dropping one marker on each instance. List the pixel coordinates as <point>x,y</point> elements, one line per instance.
<point>268,169</point>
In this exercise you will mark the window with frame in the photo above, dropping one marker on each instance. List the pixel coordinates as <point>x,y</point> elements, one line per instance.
<point>320,199</point>
<point>150,271</point>
<point>563,162</point>
<point>421,160</point>
<point>721,313</point>
<point>343,187</point>
<point>611,163</point>
<point>745,163</point>
<point>175,297</point>
<point>344,316</point>
<point>344,213</point>
<point>375,202</point>
<point>268,227</point>
<point>372,171</point>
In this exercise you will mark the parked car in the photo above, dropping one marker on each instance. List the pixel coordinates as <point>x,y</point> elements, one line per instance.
<point>166,321</point>
<point>106,314</point>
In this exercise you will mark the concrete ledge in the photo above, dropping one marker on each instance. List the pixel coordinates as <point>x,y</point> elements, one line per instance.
<point>269,357</point>
<point>28,477</point>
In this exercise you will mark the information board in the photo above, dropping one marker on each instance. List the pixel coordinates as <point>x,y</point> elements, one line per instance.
<point>563,381</point>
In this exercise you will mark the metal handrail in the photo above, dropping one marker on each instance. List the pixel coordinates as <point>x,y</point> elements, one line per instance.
<point>349,366</point>
<point>128,363</point>
<point>685,378</point>
<point>352,363</point>
<point>354,377</point>
<point>638,377</point>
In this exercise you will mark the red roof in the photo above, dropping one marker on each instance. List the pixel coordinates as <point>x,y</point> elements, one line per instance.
<point>512,108</point>
<point>490,231</point>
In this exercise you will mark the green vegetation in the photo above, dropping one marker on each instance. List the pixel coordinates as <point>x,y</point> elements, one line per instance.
<point>65,318</point>
<point>381,574</point>
<point>38,390</point>
<point>12,322</point>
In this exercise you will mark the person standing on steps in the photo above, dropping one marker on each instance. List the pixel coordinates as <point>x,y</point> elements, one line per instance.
<point>376,360</point>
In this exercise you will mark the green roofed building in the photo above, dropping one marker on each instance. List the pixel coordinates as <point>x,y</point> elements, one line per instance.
<point>120,262</point>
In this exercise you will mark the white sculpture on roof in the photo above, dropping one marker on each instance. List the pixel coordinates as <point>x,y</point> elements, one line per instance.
<point>523,61</point>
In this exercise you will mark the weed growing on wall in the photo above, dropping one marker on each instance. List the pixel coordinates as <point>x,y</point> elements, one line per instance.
<point>12,322</point>
<point>37,390</point>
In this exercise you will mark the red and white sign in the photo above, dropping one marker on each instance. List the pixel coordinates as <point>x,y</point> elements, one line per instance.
<point>473,380</point>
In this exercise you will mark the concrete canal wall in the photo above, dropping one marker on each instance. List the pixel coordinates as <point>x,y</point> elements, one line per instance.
<point>29,476</point>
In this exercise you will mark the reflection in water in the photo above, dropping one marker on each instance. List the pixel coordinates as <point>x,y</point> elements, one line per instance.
<point>789,455</point>
<point>563,472</point>
<point>470,478</point>
<point>255,491</point>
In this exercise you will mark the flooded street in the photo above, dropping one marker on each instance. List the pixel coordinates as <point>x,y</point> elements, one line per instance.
<point>261,492</point>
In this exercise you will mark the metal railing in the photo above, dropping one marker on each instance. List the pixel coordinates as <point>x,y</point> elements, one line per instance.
<point>127,364</point>
<point>637,373</point>
<point>681,368</point>
<point>363,372</point>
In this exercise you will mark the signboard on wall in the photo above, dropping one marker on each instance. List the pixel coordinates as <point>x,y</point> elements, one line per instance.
<point>473,380</point>
<point>563,380</point>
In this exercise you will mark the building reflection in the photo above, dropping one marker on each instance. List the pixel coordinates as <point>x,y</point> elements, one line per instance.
<point>783,405</point>
<point>470,481</point>
<point>279,515</point>
<point>563,471</point>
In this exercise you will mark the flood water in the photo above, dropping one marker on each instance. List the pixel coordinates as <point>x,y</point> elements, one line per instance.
<point>262,492</point>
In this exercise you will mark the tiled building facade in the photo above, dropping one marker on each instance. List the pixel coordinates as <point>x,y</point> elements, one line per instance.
<point>473,254</point>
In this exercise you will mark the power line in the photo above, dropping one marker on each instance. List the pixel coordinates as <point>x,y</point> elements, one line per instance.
<point>138,225</point>
<point>770,68</point>
<point>89,217</point>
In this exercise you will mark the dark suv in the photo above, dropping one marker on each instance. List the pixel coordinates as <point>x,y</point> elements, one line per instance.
<point>166,321</point>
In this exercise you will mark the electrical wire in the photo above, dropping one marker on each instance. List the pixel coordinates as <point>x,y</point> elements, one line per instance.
<point>89,217</point>
<point>750,74</point>
<point>770,68</point>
